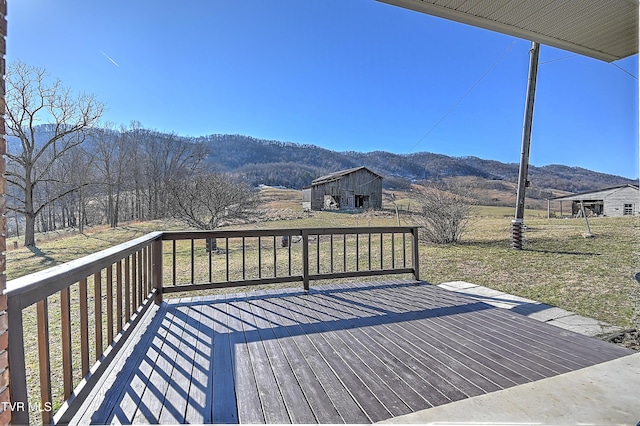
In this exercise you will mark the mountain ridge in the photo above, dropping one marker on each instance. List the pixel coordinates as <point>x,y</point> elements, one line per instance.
<point>294,165</point>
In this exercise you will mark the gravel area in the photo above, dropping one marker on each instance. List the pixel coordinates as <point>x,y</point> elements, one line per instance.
<point>629,339</point>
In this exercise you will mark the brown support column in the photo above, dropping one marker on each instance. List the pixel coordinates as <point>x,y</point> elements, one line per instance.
<point>156,269</point>
<point>5,390</point>
<point>415,253</point>
<point>305,259</point>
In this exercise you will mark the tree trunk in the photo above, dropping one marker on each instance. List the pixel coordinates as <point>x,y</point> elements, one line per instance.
<point>17,225</point>
<point>29,230</point>
<point>29,215</point>
<point>116,210</point>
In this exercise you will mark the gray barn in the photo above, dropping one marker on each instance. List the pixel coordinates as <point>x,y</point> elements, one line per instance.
<point>616,201</point>
<point>347,189</point>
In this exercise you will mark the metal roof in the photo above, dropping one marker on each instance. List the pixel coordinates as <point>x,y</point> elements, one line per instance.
<point>602,29</point>
<point>592,195</point>
<point>336,175</point>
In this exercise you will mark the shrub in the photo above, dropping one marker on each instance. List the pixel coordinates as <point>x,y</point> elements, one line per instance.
<point>445,209</point>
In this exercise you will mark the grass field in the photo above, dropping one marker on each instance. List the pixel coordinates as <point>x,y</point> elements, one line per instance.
<point>595,277</point>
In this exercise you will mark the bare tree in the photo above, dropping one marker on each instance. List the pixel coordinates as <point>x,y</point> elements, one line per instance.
<point>114,154</point>
<point>445,209</point>
<point>205,201</point>
<point>167,158</point>
<point>31,101</point>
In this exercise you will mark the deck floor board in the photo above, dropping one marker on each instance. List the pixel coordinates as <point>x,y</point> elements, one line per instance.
<point>343,353</point>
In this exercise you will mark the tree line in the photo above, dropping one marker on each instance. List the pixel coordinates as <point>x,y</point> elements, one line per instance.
<point>74,172</point>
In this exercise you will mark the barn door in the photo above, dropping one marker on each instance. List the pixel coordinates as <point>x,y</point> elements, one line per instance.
<point>351,199</point>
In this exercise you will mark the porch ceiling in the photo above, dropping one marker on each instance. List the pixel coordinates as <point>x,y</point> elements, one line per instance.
<point>602,29</point>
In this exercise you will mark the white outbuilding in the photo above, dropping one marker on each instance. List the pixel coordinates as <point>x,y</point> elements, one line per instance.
<point>614,202</point>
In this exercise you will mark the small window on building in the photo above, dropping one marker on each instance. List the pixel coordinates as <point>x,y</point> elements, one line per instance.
<point>628,210</point>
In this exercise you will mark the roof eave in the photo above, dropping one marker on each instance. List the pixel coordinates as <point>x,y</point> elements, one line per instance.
<point>466,18</point>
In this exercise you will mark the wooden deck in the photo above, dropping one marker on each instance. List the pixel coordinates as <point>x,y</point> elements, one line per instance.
<point>356,353</point>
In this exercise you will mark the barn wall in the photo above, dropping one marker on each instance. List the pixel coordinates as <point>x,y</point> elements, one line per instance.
<point>317,197</point>
<point>615,201</point>
<point>306,199</point>
<point>360,187</point>
<point>361,183</point>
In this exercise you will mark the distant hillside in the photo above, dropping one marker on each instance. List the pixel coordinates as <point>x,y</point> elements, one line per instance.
<point>294,166</point>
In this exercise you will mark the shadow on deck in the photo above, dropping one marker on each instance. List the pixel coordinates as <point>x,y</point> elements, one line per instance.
<point>354,353</point>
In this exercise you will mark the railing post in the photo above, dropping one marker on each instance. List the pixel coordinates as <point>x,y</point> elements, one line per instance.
<point>305,259</point>
<point>18,372</point>
<point>415,257</point>
<point>44,360</point>
<point>156,267</point>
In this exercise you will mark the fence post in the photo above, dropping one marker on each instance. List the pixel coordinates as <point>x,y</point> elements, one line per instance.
<point>156,268</point>
<point>415,257</point>
<point>305,259</point>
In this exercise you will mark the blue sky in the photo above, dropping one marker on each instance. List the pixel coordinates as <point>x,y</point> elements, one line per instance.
<point>345,75</point>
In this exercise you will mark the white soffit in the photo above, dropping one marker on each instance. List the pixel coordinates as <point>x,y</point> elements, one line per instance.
<point>602,29</point>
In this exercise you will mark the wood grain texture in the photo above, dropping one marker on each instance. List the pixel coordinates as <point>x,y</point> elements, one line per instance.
<point>347,353</point>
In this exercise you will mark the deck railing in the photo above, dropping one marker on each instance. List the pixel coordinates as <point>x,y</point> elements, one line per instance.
<point>107,293</point>
<point>79,296</point>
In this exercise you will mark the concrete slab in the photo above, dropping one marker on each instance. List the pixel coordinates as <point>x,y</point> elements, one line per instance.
<point>483,292</point>
<point>495,298</point>
<point>542,312</point>
<point>587,326</point>
<point>550,313</point>
<point>606,393</point>
<point>457,285</point>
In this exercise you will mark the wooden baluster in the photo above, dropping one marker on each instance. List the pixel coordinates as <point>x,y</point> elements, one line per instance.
<point>210,245</point>
<point>404,249</point>
<point>244,276</point>
<point>305,259</point>
<point>226,247</point>
<point>259,257</point>
<point>127,287</point>
<point>134,283</point>
<point>381,253</point>
<point>84,327</point>
<point>97,299</point>
<point>44,360</point>
<point>318,253</point>
<point>331,250</point>
<point>393,250</point>
<point>145,272</point>
<point>67,361</point>
<point>357,252</point>
<point>275,265</point>
<point>193,268</point>
<point>109,290</point>
<point>369,251</point>
<point>173,262</point>
<point>119,294</point>
<point>149,271</point>
<point>289,251</point>
<point>344,252</point>
<point>140,280</point>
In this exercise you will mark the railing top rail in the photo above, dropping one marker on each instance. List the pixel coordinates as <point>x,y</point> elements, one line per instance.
<point>360,230</point>
<point>34,287</point>
<point>180,235</point>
